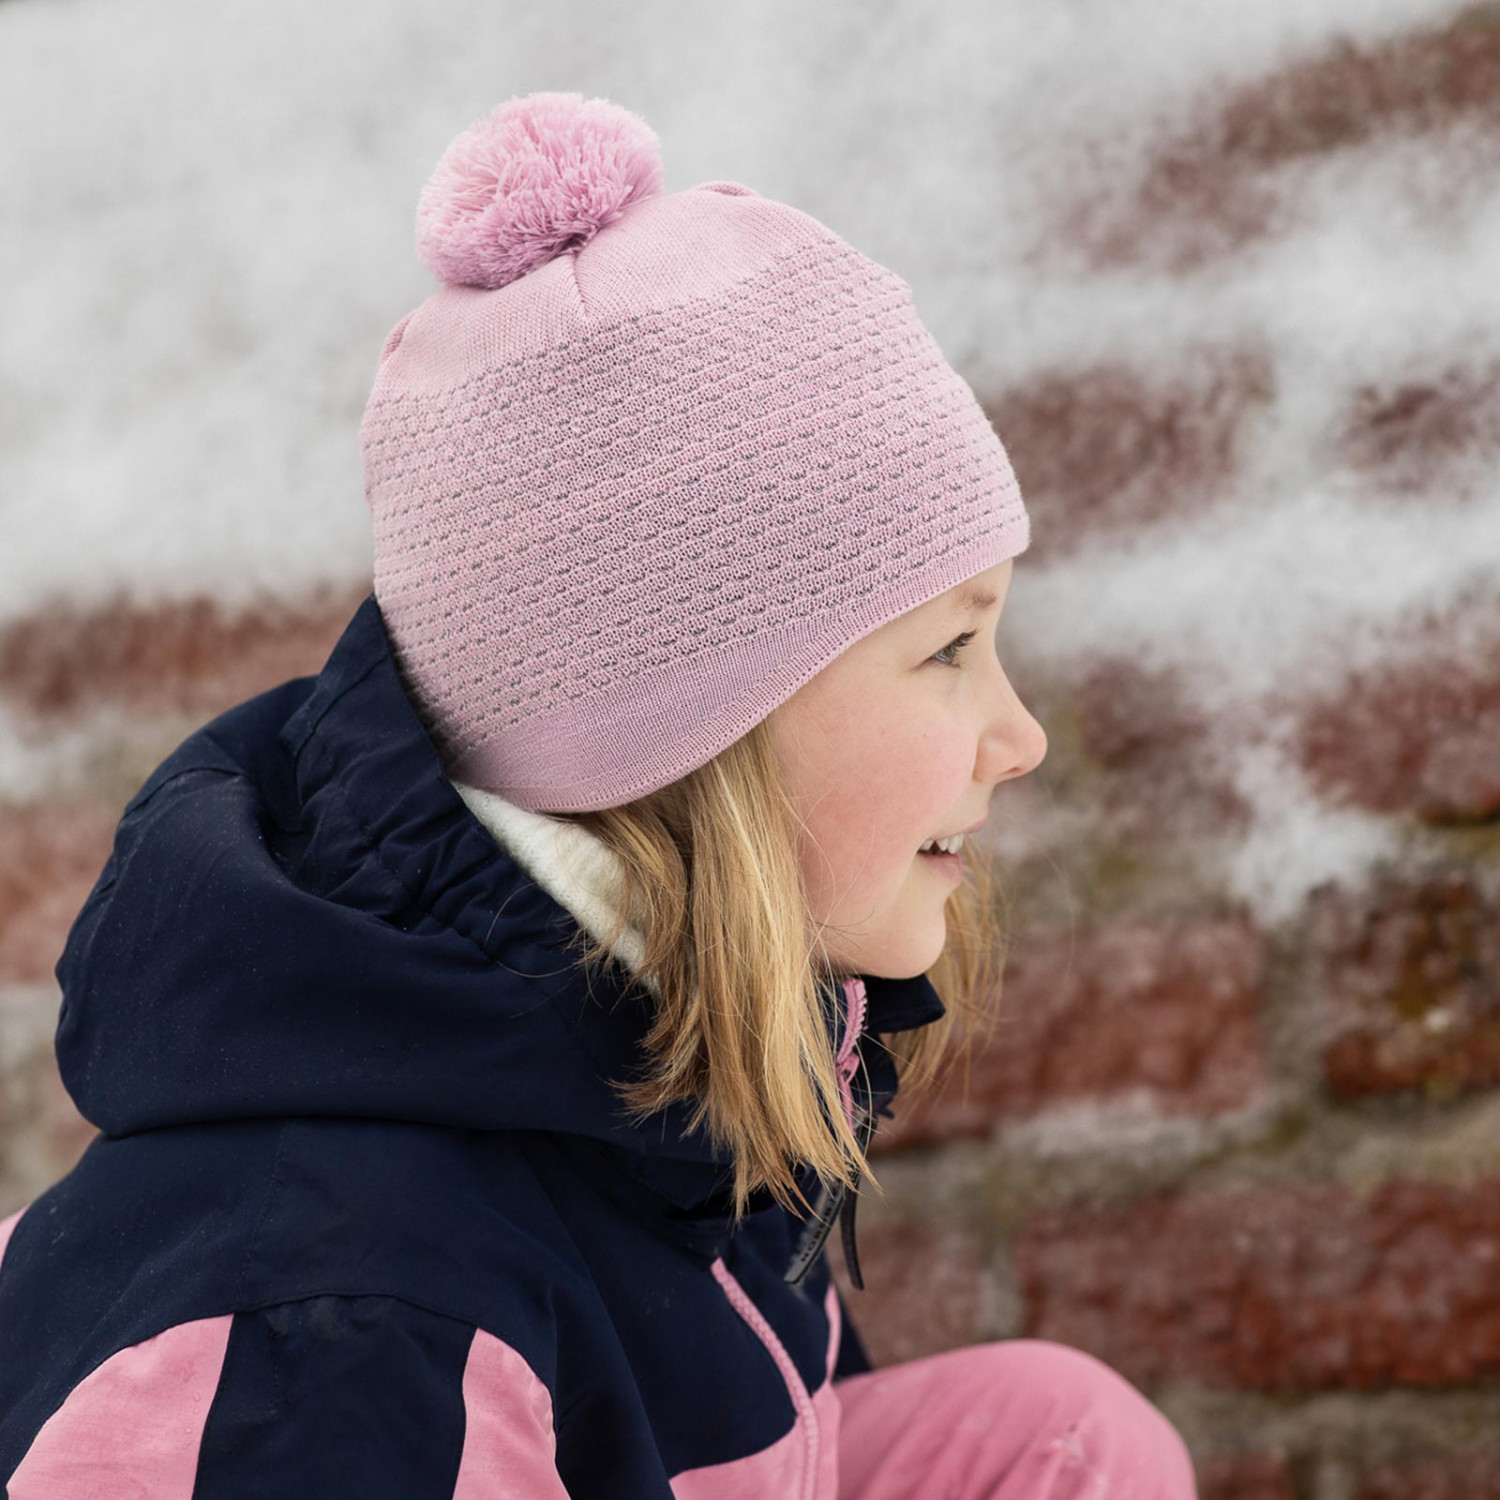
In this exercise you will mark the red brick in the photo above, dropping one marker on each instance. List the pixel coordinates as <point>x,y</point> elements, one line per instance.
<point>1472,1476</point>
<point>924,1289</point>
<point>1408,986</point>
<point>51,854</point>
<point>1414,436</point>
<point>192,657</point>
<point>1417,734</point>
<point>1225,178</point>
<point>1113,447</point>
<point>1164,776</point>
<point>1290,1288</point>
<point>1167,1012</point>
<point>1244,1477</point>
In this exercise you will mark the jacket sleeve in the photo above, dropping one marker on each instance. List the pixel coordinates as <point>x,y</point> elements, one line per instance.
<point>334,1396</point>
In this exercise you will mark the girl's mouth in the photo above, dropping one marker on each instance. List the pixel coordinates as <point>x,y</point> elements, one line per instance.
<point>949,865</point>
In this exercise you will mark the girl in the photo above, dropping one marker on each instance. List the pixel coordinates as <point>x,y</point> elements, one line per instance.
<point>690,550</point>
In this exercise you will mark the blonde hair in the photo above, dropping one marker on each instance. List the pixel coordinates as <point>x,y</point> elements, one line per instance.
<point>713,881</point>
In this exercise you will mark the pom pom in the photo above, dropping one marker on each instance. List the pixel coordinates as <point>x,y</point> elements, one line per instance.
<point>538,175</point>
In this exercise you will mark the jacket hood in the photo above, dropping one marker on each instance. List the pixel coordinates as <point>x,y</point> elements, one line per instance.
<point>301,915</point>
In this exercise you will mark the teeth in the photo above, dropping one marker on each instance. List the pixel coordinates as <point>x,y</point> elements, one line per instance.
<point>948,846</point>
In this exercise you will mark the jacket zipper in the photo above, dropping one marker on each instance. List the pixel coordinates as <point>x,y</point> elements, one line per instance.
<point>802,1402</point>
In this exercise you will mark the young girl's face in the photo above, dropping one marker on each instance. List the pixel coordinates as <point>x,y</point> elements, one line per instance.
<point>901,739</point>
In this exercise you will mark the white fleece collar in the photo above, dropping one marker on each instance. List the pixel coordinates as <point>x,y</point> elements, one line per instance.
<point>571,864</point>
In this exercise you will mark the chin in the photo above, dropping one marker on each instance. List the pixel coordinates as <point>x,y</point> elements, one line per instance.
<point>899,971</point>
<point>909,959</point>
<point>910,941</point>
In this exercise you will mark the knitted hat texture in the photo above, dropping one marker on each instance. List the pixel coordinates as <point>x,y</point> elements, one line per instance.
<point>645,463</point>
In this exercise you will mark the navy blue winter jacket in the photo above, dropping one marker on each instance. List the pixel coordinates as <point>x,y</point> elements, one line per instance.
<point>363,1218</point>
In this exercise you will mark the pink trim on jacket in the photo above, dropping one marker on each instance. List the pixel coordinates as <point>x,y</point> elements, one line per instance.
<point>7,1228</point>
<point>134,1425</point>
<point>802,1465</point>
<point>510,1444</point>
<point>835,1315</point>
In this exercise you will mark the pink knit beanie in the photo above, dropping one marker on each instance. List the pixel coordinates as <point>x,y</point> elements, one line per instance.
<point>647,462</point>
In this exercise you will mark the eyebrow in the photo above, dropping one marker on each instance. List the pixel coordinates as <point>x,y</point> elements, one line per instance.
<point>972,600</point>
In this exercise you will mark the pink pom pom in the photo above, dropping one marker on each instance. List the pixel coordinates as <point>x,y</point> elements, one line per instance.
<point>538,175</point>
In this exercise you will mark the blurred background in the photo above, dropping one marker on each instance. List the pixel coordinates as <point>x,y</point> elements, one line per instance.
<point>1225,279</point>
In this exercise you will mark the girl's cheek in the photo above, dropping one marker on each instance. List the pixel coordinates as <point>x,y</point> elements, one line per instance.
<point>935,767</point>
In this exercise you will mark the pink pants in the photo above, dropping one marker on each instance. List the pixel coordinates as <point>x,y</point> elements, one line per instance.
<point>1019,1419</point>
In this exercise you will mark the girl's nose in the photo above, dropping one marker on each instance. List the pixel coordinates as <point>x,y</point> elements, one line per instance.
<point>1031,743</point>
<point>1014,743</point>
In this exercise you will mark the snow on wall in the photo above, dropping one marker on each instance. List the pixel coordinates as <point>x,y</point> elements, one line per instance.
<point>210,232</point>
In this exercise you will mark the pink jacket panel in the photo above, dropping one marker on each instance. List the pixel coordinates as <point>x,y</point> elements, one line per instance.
<point>803,1465</point>
<point>510,1446</point>
<point>132,1427</point>
<point>7,1228</point>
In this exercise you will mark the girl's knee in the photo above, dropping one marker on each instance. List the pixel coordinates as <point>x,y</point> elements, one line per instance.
<point>1095,1418</point>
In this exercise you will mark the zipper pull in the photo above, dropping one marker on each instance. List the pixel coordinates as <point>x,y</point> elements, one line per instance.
<point>834,1204</point>
<point>867,1123</point>
<point>851,1255</point>
<point>815,1233</point>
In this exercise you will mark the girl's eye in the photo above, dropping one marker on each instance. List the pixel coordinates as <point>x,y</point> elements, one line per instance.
<point>955,647</point>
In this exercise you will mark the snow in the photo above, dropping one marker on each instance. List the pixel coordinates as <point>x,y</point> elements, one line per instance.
<point>209,214</point>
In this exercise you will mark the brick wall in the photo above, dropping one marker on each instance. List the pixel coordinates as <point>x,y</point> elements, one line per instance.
<point>1240,1137</point>
<point>1236,1129</point>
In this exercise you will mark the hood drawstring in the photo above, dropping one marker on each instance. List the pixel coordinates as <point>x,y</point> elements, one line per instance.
<point>839,1203</point>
